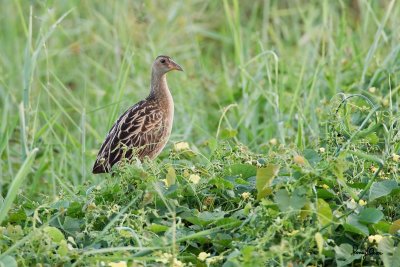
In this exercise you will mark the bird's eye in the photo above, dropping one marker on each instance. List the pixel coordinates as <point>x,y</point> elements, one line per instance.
<point>162,60</point>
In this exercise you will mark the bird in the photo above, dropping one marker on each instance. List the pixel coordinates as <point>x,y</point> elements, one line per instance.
<point>144,129</point>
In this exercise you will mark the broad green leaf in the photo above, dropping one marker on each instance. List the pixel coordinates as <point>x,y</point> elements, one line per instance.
<point>305,212</point>
<point>358,185</point>
<point>228,222</point>
<point>196,221</point>
<point>72,225</point>
<point>282,199</point>
<point>222,240</point>
<point>264,178</point>
<point>228,133</point>
<point>288,202</point>
<point>353,225</point>
<point>344,255</point>
<point>380,189</point>
<point>54,233</point>
<point>372,138</point>
<point>157,228</point>
<point>395,227</point>
<point>298,199</point>
<point>240,181</point>
<point>204,218</point>
<point>370,215</point>
<point>382,226</point>
<point>212,144</point>
<point>339,167</point>
<point>247,252</point>
<point>325,194</point>
<point>396,256</point>
<point>320,242</point>
<point>211,216</point>
<point>17,216</point>
<point>324,212</point>
<point>8,261</point>
<point>170,179</point>
<point>61,204</point>
<point>311,156</point>
<point>390,254</point>
<point>221,183</point>
<point>244,170</point>
<point>75,210</point>
<point>62,248</point>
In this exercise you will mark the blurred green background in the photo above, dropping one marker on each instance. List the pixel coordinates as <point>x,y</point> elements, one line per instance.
<point>254,71</point>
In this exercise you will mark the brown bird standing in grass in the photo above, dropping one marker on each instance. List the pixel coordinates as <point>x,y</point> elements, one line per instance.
<point>144,129</point>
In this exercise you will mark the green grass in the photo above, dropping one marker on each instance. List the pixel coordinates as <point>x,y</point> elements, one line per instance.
<point>290,109</point>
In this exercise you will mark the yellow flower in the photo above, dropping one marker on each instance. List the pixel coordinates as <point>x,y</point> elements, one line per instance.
<point>325,186</point>
<point>372,90</point>
<point>181,146</point>
<point>215,259</point>
<point>273,141</point>
<point>396,157</point>
<point>299,160</point>
<point>294,232</point>
<point>385,102</point>
<point>246,195</point>
<point>203,256</point>
<point>117,264</point>
<point>91,206</point>
<point>362,202</point>
<point>194,178</point>
<point>169,259</point>
<point>322,150</point>
<point>373,168</point>
<point>177,263</point>
<point>375,238</point>
<point>164,257</point>
<point>186,173</point>
<point>115,208</point>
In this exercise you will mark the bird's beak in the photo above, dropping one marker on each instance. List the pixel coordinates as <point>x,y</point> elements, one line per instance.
<point>175,66</point>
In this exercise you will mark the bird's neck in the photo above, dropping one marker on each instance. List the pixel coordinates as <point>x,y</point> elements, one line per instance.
<point>159,88</point>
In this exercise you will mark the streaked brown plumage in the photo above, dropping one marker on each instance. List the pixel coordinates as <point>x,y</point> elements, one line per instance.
<point>144,129</point>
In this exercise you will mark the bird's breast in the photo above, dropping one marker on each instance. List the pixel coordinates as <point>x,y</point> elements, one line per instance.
<point>169,110</point>
<point>169,117</point>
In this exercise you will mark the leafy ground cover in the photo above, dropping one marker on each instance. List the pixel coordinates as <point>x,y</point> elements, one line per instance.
<point>286,143</point>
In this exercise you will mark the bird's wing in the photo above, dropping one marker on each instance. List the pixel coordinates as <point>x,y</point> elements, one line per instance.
<point>138,131</point>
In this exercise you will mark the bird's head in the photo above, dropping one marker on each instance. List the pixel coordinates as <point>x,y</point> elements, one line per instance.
<point>164,64</point>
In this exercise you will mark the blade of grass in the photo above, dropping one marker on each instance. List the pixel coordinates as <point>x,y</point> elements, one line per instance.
<point>24,139</point>
<point>16,184</point>
<point>377,38</point>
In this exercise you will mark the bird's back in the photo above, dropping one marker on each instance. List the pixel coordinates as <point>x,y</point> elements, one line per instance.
<point>143,130</point>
